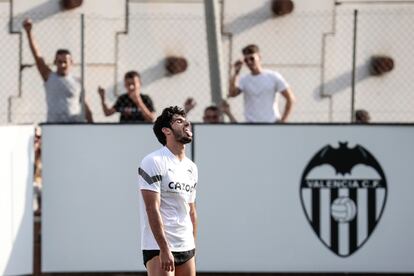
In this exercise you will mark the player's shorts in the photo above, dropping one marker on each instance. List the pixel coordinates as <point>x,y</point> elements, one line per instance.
<point>179,257</point>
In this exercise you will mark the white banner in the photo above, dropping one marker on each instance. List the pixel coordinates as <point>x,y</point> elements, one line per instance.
<point>271,198</point>
<point>305,198</point>
<point>16,211</point>
<point>90,218</point>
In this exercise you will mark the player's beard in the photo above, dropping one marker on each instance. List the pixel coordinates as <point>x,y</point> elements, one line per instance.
<point>181,137</point>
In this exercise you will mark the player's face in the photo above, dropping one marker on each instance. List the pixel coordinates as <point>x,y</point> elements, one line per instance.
<point>63,64</point>
<point>132,84</point>
<point>181,129</point>
<point>252,61</point>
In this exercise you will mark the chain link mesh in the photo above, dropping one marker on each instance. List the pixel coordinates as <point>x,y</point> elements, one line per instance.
<point>313,51</point>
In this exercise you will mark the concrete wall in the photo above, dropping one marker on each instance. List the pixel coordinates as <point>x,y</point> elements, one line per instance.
<point>256,211</point>
<point>312,48</point>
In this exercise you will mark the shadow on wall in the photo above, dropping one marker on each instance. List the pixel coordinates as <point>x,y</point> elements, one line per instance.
<point>37,14</point>
<point>342,82</point>
<point>148,76</point>
<point>249,20</point>
<point>154,73</point>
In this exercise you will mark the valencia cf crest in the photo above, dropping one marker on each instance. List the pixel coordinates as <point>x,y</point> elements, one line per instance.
<point>343,193</point>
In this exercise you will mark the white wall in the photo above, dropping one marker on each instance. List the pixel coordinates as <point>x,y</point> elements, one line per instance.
<point>312,48</point>
<point>249,198</point>
<point>90,216</point>
<point>251,217</point>
<point>16,189</point>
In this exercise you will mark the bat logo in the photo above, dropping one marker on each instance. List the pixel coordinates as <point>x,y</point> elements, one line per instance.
<point>343,193</point>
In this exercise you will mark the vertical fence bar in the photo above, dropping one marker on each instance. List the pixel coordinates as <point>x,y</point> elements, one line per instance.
<point>212,17</point>
<point>116,54</point>
<point>354,50</point>
<point>83,64</point>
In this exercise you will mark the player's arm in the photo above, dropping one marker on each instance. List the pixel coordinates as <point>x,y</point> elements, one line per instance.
<point>289,101</point>
<point>193,216</point>
<point>152,201</point>
<point>234,90</point>
<point>41,65</point>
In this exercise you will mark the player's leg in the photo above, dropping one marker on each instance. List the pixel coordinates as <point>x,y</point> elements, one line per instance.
<point>154,268</point>
<point>186,269</point>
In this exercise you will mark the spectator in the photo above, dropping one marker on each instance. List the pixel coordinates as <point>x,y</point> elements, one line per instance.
<point>362,116</point>
<point>259,89</point>
<point>212,114</point>
<point>37,184</point>
<point>133,105</point>
<point>63,90</point>
<point>37,200</point>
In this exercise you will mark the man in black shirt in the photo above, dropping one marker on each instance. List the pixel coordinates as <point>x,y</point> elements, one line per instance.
<point>133,106</point>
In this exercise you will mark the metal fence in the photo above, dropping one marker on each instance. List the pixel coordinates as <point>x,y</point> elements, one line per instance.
<point>328,58</point>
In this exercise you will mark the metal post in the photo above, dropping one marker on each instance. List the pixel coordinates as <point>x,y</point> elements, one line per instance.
<point>117,35</point>
<point>83,64</point>
<point>354,66</point>
<point>214,49</point>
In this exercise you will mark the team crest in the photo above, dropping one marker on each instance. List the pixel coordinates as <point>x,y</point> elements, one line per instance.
<point>343,193</point>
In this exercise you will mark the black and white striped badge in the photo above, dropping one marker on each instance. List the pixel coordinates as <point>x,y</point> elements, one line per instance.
<point>343,193</point>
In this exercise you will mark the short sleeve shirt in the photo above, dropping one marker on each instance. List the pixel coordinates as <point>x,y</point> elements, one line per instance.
<point>175,181</point>
<point>259,92</point>
<point>63,98</point>
<point>129,111</point>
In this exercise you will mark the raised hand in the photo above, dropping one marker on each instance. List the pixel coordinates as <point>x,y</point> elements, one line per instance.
<point>101,92</point>
<point>189,104</point>
<point>27,24</point>
<point>237,66</point>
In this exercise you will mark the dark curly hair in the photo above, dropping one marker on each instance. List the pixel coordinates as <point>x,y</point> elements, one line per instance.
<point>164,120</point>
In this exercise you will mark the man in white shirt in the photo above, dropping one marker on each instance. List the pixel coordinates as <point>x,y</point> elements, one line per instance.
<point>63,90</point>
<point>167,181</point>
<point>260,89</point>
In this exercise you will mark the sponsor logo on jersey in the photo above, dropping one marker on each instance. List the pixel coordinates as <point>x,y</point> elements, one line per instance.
<point>343,194</point>
<point>178,186</point>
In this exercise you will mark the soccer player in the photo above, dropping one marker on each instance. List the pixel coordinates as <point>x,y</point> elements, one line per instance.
<point>167,181</point>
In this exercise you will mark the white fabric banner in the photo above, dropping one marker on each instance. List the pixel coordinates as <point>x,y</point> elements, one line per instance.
<point>299,198</point>
<point>16,210</point>
<point>270,198</point>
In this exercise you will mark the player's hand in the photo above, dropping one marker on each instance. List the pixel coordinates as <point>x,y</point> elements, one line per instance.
<point>237,66</point>
<point>189,104</point>
<point>27,24</point>
<point>101,92</point>
<point>167,260</point>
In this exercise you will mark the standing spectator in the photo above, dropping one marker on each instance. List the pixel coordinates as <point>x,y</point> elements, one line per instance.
<point>63,90</point>
<point>362,116</point>
<point>167,182</point>
<point>133,105</point>
<point>259,89</point>
<point>212,114</point>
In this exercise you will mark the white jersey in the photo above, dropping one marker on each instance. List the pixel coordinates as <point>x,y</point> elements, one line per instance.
<point>175,180</point>
<point>259,91</point>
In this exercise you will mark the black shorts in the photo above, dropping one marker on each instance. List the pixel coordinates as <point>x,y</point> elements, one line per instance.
<point>179,257</point>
